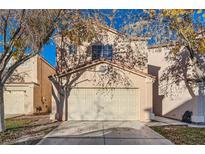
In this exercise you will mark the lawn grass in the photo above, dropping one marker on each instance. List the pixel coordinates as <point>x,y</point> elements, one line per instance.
<point>31,127</point>
<point>182,134</point>
<point>12,124</point>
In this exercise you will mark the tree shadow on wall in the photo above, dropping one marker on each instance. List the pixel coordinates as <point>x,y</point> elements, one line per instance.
<point>106,82</point>
<point>66,62</point>
<point>178,76</point>
<point>18,77</point>
<point>62,92</point>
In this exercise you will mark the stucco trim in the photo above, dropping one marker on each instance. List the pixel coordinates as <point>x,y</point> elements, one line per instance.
<point>166,45</point>
<point>105,88</point>
<point>21,84</point>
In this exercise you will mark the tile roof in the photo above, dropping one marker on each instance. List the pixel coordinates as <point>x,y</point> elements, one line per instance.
<point>92,63</point>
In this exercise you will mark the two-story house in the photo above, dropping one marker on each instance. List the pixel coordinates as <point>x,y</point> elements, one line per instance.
<point>29,90</point>
<point>107,78</point>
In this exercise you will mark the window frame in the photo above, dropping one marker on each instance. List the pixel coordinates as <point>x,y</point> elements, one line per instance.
<point>102,50</point>
<point>72,47</point>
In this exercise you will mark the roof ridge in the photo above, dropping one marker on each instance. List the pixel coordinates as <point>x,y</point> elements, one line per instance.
<point>115,31</point>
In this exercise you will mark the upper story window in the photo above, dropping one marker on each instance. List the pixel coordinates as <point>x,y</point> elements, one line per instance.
<point>102,51</point>
<point>72,49</point>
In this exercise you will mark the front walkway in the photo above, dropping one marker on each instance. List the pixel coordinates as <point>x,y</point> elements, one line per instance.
<point>103,133</point>
<point>163,121</point>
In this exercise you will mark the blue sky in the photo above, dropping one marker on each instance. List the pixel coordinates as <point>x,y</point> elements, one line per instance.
<point>49,50</point>
<point>49,53</point>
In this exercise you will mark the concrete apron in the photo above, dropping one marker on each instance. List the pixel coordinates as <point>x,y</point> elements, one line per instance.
<point>103,133</point>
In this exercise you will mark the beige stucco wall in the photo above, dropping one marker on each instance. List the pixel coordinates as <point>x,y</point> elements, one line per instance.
<point>27,72</point>
<point>170,100</point>
<point>33,81</point>
<point>27,91</point>
<point>92,79</point>
<point>121,45</point>
<point>43,93</point>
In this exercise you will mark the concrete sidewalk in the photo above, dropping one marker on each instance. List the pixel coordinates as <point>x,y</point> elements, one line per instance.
<point>103,133</point>
<point>162,121</point>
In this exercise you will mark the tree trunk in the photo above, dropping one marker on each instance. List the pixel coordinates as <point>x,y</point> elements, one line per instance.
<point>60,108</point>
<point>66,104</point>
<point>2,125</point>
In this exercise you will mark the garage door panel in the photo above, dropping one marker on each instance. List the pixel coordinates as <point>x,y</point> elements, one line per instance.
<point>103,104</point>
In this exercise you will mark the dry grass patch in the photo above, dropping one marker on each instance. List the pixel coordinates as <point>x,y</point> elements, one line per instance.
<point>182,134</point>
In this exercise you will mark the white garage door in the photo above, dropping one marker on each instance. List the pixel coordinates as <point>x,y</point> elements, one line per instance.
<point>103,104</point>
<point>14,102</point>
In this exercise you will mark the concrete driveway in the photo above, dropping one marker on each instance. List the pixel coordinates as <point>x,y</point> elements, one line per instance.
<point>103,133</point>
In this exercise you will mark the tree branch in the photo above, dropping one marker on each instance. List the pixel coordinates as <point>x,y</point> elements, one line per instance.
<point>49,33</point>
<point>14,66</point>
<point>17,30</point>
<point>8,49</point>
<point>5,36</point>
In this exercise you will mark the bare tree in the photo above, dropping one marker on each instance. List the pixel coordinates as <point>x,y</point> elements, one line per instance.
<point>23,34</point>
<point>185,30</point>
<point>84,33</point>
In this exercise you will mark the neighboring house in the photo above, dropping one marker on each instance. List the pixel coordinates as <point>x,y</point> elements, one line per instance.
<point>104,82</point>
<point>29,90</point>
<point>172,95</point>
